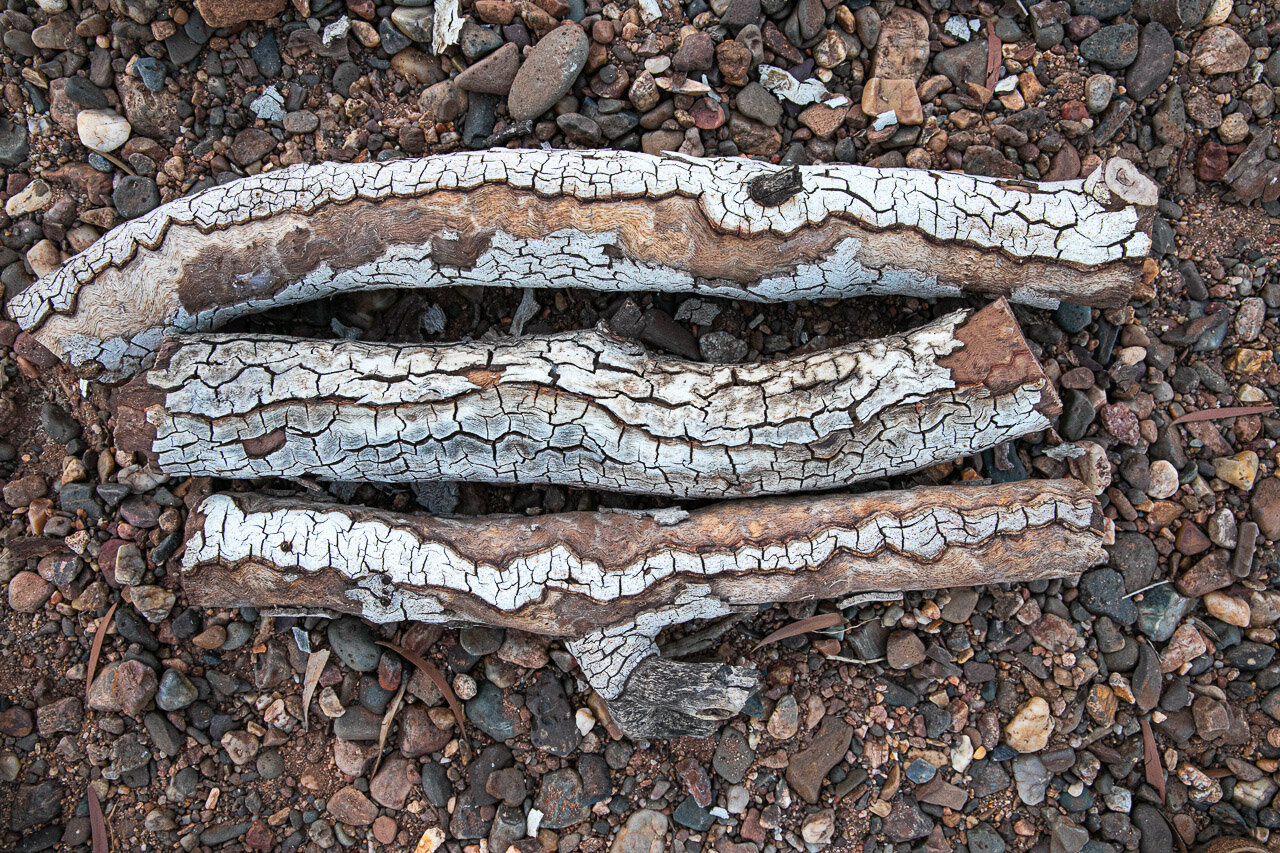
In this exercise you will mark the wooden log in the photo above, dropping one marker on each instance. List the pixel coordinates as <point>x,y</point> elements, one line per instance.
<point>610,581</point>
<point>605,220</point>
<point>585,408</point>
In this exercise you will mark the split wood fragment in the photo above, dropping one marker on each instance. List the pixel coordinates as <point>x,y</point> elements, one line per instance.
<point>609,582</point>
<point>585,408</point>
<point>604,220</point>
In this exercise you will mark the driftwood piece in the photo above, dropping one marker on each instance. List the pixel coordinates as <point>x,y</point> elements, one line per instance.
<point>609,582</point>
<point>605,220</point>
<point>586,408</point>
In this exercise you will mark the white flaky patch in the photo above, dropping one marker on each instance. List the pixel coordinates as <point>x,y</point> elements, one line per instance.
<point>577,408</point>
<point>1052,222</point>
<point>395,569</point>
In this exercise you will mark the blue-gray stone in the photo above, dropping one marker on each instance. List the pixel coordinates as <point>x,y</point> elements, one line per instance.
<point>1072,318</point>
<point>175,692</point>
<point>1161,611</point>
<point>490,714</point>
<point>353,642</point>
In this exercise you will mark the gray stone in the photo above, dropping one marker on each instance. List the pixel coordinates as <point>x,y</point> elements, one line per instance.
<point>1115,46</point>
<point>757,102</point>
<point>964,64</point>
<point>560,799</point>
<point>1153,63</point>
<point>548,72</point>
<point>353,642</point>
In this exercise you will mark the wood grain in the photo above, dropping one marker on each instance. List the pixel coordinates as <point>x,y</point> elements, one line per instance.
<point>604,220</point>
<point>585,409</point>
<point>609,582</point>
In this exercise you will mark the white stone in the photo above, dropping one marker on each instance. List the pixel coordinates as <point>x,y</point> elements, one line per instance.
<point>102,130</point>
<point>35,196</point>
<point>1164,480</point>
<point>1030,728</point>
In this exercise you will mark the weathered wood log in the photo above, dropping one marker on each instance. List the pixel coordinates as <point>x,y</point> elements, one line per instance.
<point>585,408</point>
<point>609,582</point>
<point>606,220</point>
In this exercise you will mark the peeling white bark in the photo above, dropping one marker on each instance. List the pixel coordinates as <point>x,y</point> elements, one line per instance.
<point>585,408</point>
<point>609,582</point>
<point>606,220</point>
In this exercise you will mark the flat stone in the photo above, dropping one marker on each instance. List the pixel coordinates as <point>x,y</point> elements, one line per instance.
<point>807,769</point>
<point>1264,507</point>
<point>902,49</point>
<point>494,74</point>
<point>228,13</point>
<point>102,130</point>
<point>939,792</point>
<point>733,756</point>
<point>1220,50</point>
<point>1153,63</point>
<point>905,650</point>
<point>251,145</point>
<point>1032,779</point>
<point>644,832</point>
<point>351,807</point>
<point>906,822</point>
<point>757,102</point>
<point>394,782</point>
<point>560,799</point>
<point>61,715</point>
<point>1030,727</point>
<point>1115,46</point>
<point>899,96</point>
<point>548,72</point>
<point>1211,573</point>
<point>964,64</point>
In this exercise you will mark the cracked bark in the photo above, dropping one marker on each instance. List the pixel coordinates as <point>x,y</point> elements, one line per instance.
<point>609,582</point>
<point>585,408</point>
<point>606,220</point>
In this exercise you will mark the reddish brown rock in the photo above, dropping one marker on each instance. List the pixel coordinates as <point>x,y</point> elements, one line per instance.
<point>1211,573</point>
<point>228,13</point>
<point>28,592</point>
<point>124,686</point>
<point>808,768</point>
<point>352,807</point>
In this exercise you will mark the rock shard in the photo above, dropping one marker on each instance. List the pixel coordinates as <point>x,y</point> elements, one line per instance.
<point>609,582</point>
<point>585,409</point>
<point>605,220</point>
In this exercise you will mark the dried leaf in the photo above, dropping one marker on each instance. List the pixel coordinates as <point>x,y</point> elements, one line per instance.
<point>994,56</point>
<point>804,626</point>
<point>97,823</point>
<point>1151,759</point>
<point>387,719</point>
<point>98,636</point>
<point>1224,412</point>
<point>315,666</point>
<point>441,683</point>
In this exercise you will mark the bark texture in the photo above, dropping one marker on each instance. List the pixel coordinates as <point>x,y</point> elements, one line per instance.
<point>610,581</point>
<point>607,220</point>
<point>586,408</point>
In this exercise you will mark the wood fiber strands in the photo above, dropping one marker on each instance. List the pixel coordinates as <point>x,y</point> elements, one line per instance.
<point>585,409</point>
<point>604,220</point>
<point>610,581</point>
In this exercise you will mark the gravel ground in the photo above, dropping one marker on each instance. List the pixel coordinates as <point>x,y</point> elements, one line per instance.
<point>986,719</point>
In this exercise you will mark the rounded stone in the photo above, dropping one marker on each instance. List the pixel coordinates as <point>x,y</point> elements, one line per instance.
<point>1164,480</point>
<point>28,592</point>
<point>548,72</point>
<point>135,195</point>
<point>102,130</point>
